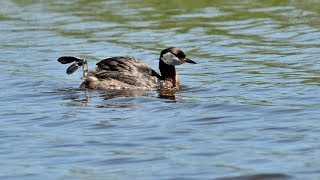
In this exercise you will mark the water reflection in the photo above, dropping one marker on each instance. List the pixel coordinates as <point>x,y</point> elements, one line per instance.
<point>115,93</point>
<point>80,97</point>
<point>269,176</point>
<point>255,92</point>
<point>168,93</point>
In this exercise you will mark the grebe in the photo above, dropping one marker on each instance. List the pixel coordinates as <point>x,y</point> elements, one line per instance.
<point>128,72</point>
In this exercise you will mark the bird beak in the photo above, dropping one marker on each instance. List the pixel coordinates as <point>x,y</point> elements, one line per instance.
<point>189,61</point>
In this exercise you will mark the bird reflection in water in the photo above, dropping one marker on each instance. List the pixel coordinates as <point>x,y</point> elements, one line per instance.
<point>83,97</point>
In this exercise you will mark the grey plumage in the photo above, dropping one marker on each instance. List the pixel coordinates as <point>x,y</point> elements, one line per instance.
<point>129,72</point>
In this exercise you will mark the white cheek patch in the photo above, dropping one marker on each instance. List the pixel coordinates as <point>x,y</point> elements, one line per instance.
<point>171,59</point>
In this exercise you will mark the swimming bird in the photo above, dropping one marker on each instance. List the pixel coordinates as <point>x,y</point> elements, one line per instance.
<point>124,72</point>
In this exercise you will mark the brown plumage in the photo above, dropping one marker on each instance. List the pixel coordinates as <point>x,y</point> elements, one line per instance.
<point>128,72</point>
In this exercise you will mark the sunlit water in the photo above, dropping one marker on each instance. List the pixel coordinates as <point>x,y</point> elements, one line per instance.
<point>249,107</point>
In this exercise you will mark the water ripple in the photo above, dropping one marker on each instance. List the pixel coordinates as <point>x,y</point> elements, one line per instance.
<point>244,111</point>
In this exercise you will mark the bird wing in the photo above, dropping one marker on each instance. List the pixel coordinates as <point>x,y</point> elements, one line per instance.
<point>125,69</point>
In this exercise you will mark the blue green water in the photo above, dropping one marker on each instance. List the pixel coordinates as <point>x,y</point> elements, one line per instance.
<point>249,107</point>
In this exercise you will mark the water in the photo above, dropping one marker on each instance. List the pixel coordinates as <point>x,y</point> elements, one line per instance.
<point>249,107</point>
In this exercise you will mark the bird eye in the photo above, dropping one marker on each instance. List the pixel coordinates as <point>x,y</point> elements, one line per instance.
<point>181,55</point>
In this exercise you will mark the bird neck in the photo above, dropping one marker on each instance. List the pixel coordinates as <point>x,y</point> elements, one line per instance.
<point>168,73</point>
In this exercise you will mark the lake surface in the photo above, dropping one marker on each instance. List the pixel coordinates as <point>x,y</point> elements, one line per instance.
<point>249,108</point>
